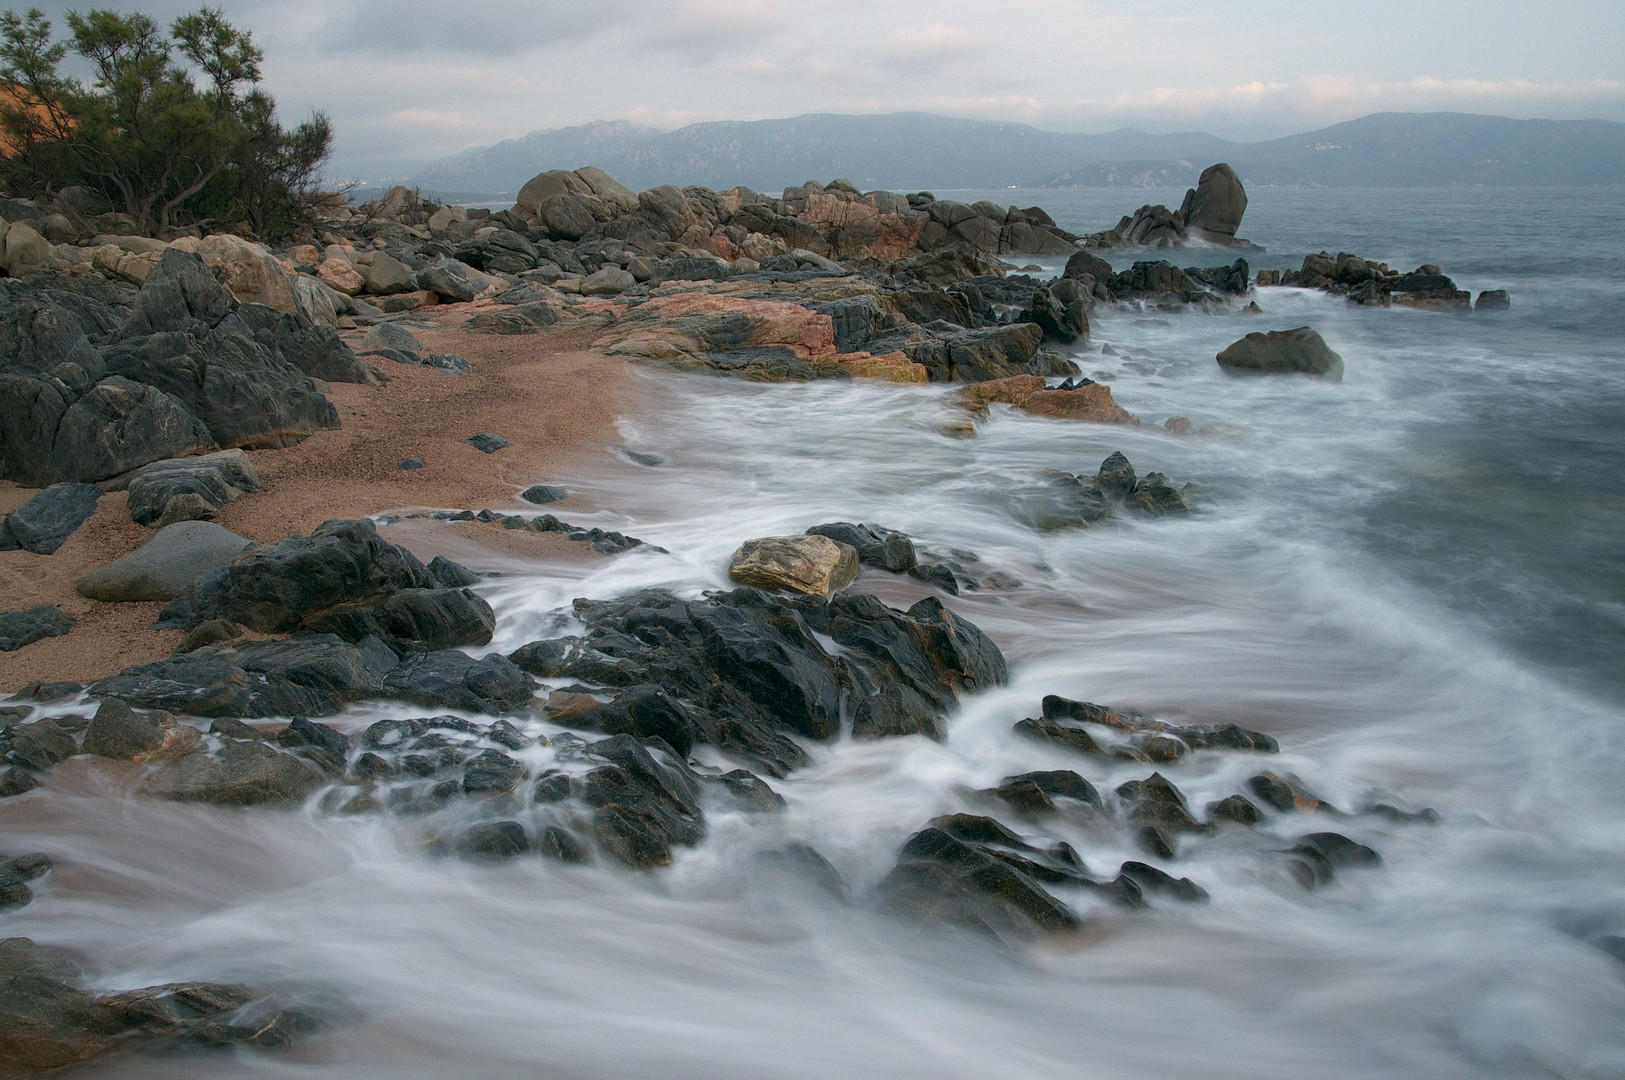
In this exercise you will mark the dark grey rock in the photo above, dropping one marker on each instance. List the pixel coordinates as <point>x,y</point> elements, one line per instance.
<point>118,731</point>
<point>180,290</point>
<point>455,680</point>
<point>451,575</point>
<point>1213,210</point>
<point>412,463</point>
<point>44,523</point>
<point>20,628</point>
<point>487,443</point>
<point>391,336</point>
<point>494,840</point>
<point>885,549</point>
<point>447,278</point>
<point>277,587</point>
<point>314,676</point>
<point>42,745</point>
<point>642,806</point>
<point>541,494</point>
<point>1300,350</point>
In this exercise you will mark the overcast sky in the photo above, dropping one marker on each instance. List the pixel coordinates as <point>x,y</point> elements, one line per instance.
<point>410,81</point>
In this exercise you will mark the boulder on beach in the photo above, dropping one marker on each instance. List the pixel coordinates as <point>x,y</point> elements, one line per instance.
<point>815,565</point>
<point>174,557</point>
<point>1298,351</point>
<point>213,480</point>
<point>44,523</point>
<point>19,628</point>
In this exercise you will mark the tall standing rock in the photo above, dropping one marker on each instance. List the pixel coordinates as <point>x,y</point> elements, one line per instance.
<point>1212,210</point>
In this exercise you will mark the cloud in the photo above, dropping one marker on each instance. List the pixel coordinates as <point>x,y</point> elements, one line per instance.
<point>929,48</point>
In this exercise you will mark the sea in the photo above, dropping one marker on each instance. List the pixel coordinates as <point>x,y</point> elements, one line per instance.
<point>1414,579</point>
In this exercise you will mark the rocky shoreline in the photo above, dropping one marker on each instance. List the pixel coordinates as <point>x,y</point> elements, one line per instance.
<point>215,441</point>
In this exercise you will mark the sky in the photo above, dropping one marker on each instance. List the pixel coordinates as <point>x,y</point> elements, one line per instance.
<point>407,82</point>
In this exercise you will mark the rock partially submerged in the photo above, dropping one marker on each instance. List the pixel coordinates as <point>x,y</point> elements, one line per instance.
<point>1089,401</point>
<point>1298,351</point>
<point>50,1020</point>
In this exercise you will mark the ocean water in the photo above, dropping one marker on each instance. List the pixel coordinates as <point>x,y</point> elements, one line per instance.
<point>1414,579</point>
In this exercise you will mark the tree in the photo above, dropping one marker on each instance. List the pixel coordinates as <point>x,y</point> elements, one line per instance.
<point>172,129</point>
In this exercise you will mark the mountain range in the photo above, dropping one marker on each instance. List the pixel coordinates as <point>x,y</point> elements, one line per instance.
<point>910,151</point>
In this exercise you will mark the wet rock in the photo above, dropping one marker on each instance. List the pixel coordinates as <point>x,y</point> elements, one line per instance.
<point>1283,795</point>
<point>1300,350</point>
<point>44,523</point>
<point>491,773</point>
<point>1236,808</point>
<point>411,619</point>
<point>1090,402</point>
<point>811,564</point>
<point>884,549</point>
<point>647,712</point>
<point>747,791</point>
<point>277,587</point>
<point>487,443</point>
<point>1316,858</point>
<point>15,781</point>
<point>451,575</point>
<point>542,494</point>
<point>1159,809</point>
<point>42,745</point>
<point>239,773</point>
<point>172,559</point>
<point>1036,792</point>
<point>545,659</point>
<point>494,840</point>
<point>325,746</point>
<point>314,676</point>
<point>1160,882</point>
<point>16,873</point>
<point>1493,300</point>
<point>1153,496</point>
<point>641,806</point>
<point>456,680</point>
<point>20,628</point>
<point>942,880</point>
<point>50,1021</point>
<point>1063,321</point>
<point>1116,476</point>
<point>118,731</point>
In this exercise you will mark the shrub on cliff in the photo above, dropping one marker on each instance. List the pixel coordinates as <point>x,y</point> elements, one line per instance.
<point>172,130</point>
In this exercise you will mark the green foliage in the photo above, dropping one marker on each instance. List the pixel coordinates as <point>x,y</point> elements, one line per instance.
<point>172,130</point>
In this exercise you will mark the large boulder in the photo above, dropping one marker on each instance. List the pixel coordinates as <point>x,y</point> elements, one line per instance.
<point>172,559</point>
<point>1212,210</point>
<point>244,393</point>
<point>179,290</point>
<point>978,355</point>
<point>24,251</point>
<point>668,208</point>
<point>248,271</point>
<point>384,274</point>
<point>342,579</point>
<point>1301,350</point>
<point>815,565</point>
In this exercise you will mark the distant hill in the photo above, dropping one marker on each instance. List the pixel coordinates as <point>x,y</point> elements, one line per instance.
<point>896,150</point>
<point>910,151</point>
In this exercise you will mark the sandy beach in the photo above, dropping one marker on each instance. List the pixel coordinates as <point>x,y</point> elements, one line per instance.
<point>549,394</point>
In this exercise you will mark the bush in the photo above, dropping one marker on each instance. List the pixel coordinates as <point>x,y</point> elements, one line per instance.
<point>172,130</point>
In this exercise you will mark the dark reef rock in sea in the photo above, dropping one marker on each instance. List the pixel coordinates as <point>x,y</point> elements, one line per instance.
<point>1298,351</point>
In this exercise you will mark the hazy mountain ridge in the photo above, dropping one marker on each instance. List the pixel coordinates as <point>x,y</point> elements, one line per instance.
<point>922,150</point>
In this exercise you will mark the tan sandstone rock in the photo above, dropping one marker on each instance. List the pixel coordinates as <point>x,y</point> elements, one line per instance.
<point>815,565</point>
<point>1092,402</point>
